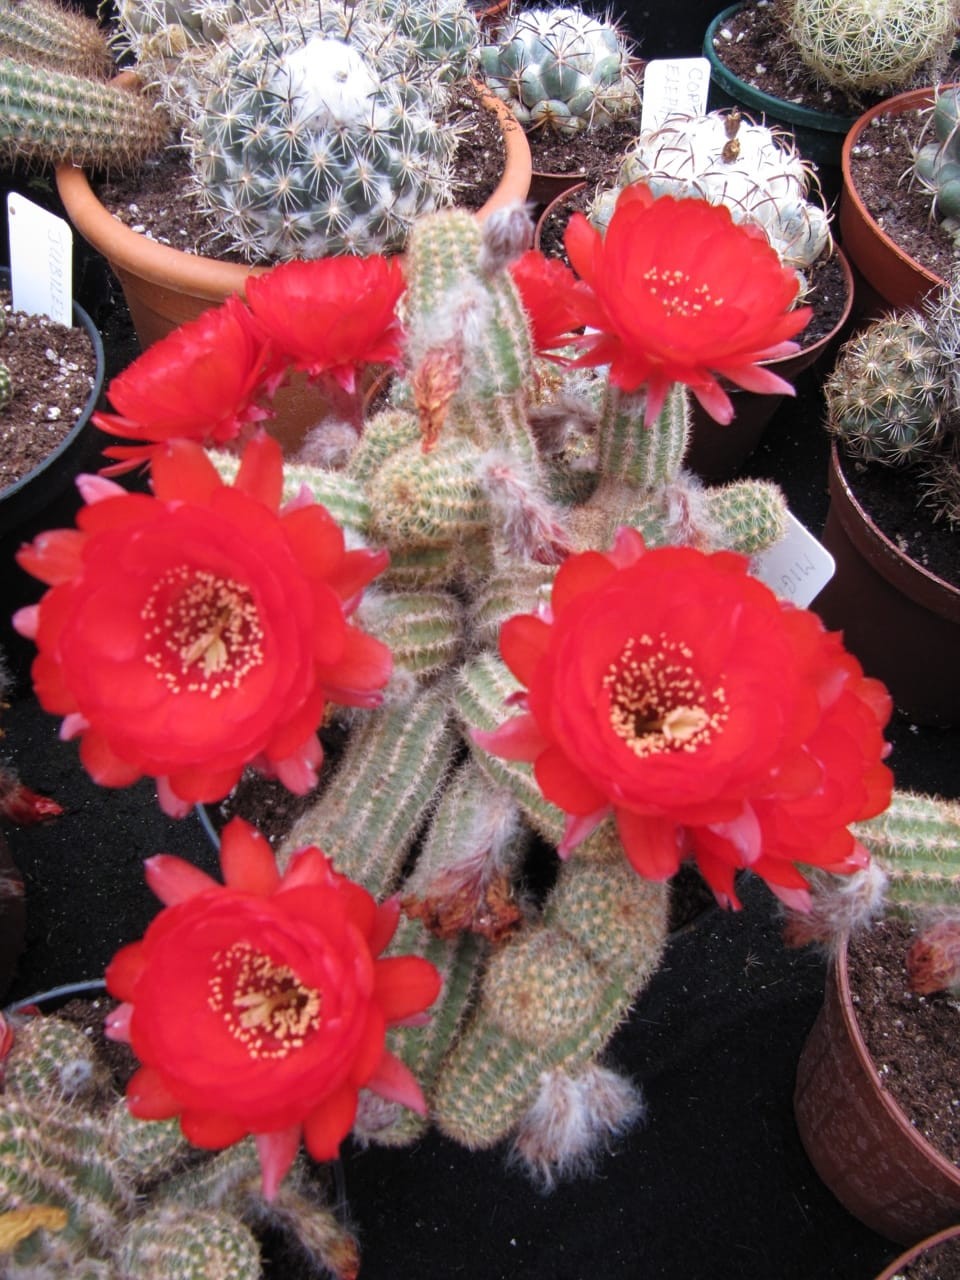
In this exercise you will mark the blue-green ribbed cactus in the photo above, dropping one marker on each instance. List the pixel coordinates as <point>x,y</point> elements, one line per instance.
<point>937,162</point>
<point>562,70</point>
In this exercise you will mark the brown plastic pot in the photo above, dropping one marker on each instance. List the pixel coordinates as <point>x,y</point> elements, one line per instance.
<point>918,1251</point>
<point>895,277</point>
<point>898,618</point>
<point>863,1147</point>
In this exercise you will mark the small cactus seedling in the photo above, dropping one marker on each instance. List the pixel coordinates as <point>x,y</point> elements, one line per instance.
<point>865,46</point>
<point>725,159</point>
<point>562,70</point>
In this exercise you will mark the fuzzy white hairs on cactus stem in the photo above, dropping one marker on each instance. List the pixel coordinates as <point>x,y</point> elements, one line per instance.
<point>840,905</point>
<point>528,522</point>
<point>571,1121</point>
<point>328,84</point>
<point>507,233</point>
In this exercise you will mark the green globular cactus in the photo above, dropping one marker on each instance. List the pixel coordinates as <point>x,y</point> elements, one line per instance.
<point>98,1195</point>
<point>886,396</point>
<point>314,132</point>
<point>47,34</point>
<point>937,162</point>
<point>723,158</point>
<point>893,399</point>
<point>562,70</point>
<point>871,45</point>
<point>47,117</point>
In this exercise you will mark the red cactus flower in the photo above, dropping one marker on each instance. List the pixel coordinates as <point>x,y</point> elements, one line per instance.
<point>329,316</point>
<point>547,289</point>
<point>201,382</point>
<point>189,634</point>
<point>672,690</point>
<point>678,292</point>
<point>260,1006</point>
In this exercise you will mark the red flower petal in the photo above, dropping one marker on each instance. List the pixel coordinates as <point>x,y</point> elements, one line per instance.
<point>395,1081</point>
<point>174,880</point>
<point>247,860</point>
<point>404,985</point>
<point>329,1123</point>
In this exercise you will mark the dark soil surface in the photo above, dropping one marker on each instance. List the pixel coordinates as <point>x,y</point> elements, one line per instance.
<point>752,46</point>
<point>52,368</point>
<point>889,496</point>
<point>159,202</point>
<point>595,154</point>
<point>881,169</point>
<point>941,1263</point>
<point>914,1040</point>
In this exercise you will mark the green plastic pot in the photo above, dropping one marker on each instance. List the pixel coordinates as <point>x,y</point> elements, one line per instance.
<point>818,134</point>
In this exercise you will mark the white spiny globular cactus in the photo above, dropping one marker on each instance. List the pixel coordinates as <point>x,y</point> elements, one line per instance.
<point>871,45</point>
<point>562,70</point>
<point>320,132</point>
<point>726,159</point>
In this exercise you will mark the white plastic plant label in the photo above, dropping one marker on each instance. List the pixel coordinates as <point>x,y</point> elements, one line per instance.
<point>41,260</point>
<point>673,86</point>
<point>797,567</point>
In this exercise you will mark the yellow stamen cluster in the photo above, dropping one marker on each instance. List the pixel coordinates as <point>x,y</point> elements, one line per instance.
<point>263,1004</point>
<point>677,294</point>
<point>658,702</point>
<point>206,629</point>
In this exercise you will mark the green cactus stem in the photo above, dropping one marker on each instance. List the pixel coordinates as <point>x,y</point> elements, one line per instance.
<point>46,34</point>
<point>916,842</point>
<point>51,118</point>
<point>6,386</point>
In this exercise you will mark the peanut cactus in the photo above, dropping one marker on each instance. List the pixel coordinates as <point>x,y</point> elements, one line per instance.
<point>871,45</point>
<point>466,501</point>
<point>46,34</point>
<point>562,70</point>
<point>892,398</point>
<point>87,1191</point>
<point>725,159</point>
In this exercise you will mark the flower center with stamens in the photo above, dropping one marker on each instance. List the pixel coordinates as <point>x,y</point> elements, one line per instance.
<point>658,702</point>
<point>263,1004</point>
<point>677,294</point>
<point>204,631</point>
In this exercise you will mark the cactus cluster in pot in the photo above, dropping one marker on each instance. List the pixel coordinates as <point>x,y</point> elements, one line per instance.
<point>311,130</point>
<point>562,70</point>
<point>893,399</point>
<point>534,639</point>
<point>936,164</point>
<point>88,1191</point>
<point>869,46</point>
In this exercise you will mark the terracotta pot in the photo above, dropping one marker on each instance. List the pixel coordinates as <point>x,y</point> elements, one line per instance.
<point>21,502</point>
<point>918,1251</point>
<point>165,287</point>
<point>859,1141</point>
<point>901,620</point>
<point>818,134</point>
<point>717,453</point>
<point>896,278</point>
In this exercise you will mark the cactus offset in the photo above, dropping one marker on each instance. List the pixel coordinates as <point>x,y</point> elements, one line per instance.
<point>562,70</point>
<point>46,34</point>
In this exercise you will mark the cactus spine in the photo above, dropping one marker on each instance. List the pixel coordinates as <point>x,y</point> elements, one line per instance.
<point>46,34</point>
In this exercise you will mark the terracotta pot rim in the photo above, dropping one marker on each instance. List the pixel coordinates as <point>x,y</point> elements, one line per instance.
<point>840,978</point>
<point>209,278</point>
<point>918,583</point>
<point>897,105</point>
<point>916,1251</point>
<point>777,108</point>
